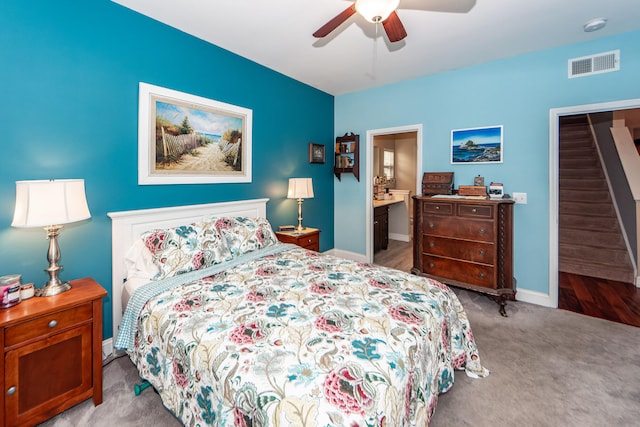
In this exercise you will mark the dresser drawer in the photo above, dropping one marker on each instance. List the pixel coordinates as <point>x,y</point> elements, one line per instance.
<point>47,324</point>
<point>438,208</point>
<point>477,230</point>
<point>463,250</point>
<point>475,211</point>
<point>474,274</point>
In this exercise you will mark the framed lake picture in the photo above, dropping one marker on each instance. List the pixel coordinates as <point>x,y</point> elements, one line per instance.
<point>476,145</point>
<point>188,139</point>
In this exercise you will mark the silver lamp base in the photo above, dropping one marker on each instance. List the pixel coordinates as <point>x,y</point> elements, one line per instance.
<point>54,286</point>
<point>49,289</point>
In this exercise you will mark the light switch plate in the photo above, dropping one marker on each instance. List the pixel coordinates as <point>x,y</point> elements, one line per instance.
<point>520,198</point>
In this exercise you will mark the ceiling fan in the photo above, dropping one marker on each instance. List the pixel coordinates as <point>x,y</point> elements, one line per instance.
<point>384,12</point>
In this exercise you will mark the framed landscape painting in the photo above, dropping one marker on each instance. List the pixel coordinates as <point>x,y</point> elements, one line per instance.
<point>188,139</point>
<point>476,145</point>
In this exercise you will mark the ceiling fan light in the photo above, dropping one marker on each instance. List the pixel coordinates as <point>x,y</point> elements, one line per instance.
<point>376,10</point>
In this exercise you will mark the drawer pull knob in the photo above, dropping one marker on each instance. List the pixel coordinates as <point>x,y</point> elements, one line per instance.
<point>11,390</point>
<point>482,275</point>
<point>431,244</point>
<point>481,252</point>
<point>431,265</point>
<point>437,208</point>
<point>482,231</point>
<point>53,323</point>
<point>474,210</point>
<point>431,225</point>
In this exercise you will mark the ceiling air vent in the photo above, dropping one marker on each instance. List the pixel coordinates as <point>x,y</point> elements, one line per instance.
<point>594,64</point>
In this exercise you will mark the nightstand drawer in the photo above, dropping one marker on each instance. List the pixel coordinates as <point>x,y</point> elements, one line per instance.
<point>309,242</point>
<point>309,238</point>
<point>47,324</point>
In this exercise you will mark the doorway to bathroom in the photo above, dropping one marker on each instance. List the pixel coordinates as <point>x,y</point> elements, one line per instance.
<point>393,176</point>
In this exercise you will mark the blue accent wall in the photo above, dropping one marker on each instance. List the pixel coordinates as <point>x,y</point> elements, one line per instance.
<point>69,109</point>
<point>517,93</point>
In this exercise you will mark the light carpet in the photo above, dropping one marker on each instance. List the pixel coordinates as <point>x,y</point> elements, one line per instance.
<point>548,367</point>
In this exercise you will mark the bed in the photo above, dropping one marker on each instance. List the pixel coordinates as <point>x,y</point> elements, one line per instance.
<point>262,333</point>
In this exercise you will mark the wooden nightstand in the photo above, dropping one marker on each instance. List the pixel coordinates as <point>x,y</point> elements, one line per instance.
<point>309,238</point>
<point>52,354</point>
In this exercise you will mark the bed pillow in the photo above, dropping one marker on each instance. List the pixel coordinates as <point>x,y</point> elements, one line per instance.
<point>139,262</point>
<point>245,234</point>
<point>186,248</point>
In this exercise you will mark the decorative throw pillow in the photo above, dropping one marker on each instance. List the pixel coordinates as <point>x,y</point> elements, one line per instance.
<point>245,234</point>
<point>186,248</point>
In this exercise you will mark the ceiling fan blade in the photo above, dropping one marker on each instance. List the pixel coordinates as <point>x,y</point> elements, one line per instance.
<point>394,28</point>
<point>335,22</point>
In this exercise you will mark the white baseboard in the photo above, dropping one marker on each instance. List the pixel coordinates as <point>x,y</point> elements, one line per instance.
<point>533,297</point>
<point>107,348</point>
<point>400,237</point>
<point>348,255</point>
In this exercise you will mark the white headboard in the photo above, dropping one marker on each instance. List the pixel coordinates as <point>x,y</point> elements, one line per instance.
<point>127,226</point>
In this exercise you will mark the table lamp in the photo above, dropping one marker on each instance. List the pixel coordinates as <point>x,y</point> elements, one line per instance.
<point>300,188</point>
<point>50,204</point>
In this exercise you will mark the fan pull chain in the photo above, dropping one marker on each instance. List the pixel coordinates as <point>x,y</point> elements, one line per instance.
<point>375,52</point>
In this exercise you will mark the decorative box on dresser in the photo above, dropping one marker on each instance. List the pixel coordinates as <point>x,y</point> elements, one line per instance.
<point>467,243</point>
<point>52,354</point>
<point>309,238</point>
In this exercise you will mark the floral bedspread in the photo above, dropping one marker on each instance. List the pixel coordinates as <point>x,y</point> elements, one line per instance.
<point>298,338</point>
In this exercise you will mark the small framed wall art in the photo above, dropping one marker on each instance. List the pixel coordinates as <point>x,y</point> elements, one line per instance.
<point>476,145</point>
<point>316,153</point>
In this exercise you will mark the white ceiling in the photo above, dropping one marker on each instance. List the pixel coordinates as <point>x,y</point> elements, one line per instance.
<point>278,34</point>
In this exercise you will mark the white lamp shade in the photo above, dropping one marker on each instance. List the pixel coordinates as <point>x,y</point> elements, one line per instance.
<point>50,202</point>
<point>300,188</point>
<point>376,10</point>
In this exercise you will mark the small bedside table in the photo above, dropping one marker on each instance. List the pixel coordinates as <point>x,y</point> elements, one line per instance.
<point>309,238</point>
<point>51,354</point>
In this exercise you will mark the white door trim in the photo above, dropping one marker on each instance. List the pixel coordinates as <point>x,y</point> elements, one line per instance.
<point>554,143</point>
<point>368,177</point>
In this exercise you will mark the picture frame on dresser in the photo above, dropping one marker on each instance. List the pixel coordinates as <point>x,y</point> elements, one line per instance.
<point>175,127</point>
<point>477,145</point>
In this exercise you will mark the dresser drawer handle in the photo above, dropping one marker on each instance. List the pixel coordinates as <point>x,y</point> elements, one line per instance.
<point>53,323</point>
<point>431,225</point>
<point>431,265</point>
<point>482,275</point>
<point>482,231</point>
<point>437,208</point>
<point>432,245</point>
<point>481,252</point>
<point>11,390</point>
<point>474,210</point>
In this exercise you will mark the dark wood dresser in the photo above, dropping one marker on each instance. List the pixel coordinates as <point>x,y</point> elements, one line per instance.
<point>467,243</point>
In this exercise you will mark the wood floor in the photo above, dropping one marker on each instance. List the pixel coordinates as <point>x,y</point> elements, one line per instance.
<point>606,299</point>
<point>398,255</point>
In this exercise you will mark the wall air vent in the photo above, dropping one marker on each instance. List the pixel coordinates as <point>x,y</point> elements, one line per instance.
<point>594,64</point>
